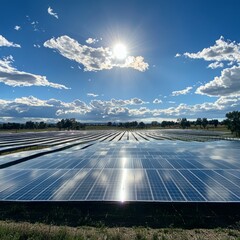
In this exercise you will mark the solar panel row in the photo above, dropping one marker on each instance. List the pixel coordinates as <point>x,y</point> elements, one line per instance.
<point>120,185</point>
<point>117,168</point>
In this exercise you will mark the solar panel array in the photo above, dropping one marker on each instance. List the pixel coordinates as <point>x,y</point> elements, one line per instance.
<point>127,166</point>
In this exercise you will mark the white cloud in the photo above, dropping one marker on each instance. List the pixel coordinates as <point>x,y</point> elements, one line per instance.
<point>216,109</point>
<point>182,92</point>
<point>15,78</point>
<point>135,63</point>
<point>93,59</point>
<point>31,107</point>
<point>36,45</point>
<point>221,51</point>
<point>34,24</point>
<point>17,28</point>
<point>92,95</point>
<point>5,43</point>
<point>228,83</point>
<point>225,85</point>
<point>50,11</point>
<point>178,55</point>
<point>136,101</point>
<point>157,101</point>
<point>91,40</point>
<point>171,102</point>
<point>215,65</point>
<point>113,110</point>
<point>116,103</point>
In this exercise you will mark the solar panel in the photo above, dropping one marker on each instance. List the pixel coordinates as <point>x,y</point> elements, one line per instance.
<point>123,166</point>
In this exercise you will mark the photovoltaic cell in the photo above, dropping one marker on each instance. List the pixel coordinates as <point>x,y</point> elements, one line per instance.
<point>121,168</point>
<point>158,187</point>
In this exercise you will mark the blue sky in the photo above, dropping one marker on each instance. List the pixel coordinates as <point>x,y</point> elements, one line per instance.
<point>62,59</point>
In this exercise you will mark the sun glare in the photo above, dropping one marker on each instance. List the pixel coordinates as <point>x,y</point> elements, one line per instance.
<point>120,51</point>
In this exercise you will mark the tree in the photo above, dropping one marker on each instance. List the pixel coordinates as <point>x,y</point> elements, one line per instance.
<point>233,122</point>
<point>164,124</point>
<point>198,122</point>
<point>30,125</point>
<point>154,123</point>
<point>68,124</point>
<point>167,124</point>
<point>134,124</point>
<point>42,125</point>
<point>141,125</point>
<point>120,124</point>
<point>204,122</point>
<point>215,122</point>
<point>59,125</point>
<point>184,123</point>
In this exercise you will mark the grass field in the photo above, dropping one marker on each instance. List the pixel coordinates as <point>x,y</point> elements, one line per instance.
<point>116,221</point>
<point>24,230</point>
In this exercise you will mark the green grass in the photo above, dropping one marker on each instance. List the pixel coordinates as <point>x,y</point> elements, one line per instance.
<point>38,231</point>
<point>100,214</point>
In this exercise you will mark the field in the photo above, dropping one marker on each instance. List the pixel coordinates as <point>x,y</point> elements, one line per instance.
<point>106,179</point>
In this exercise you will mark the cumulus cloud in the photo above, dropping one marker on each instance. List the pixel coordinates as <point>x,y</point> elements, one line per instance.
<point>93,59</point>
<point>97,110</point>
<point>5,43</point>
<point>15,78</point>
<point>228,83</point>
<point>135,63</point>
<point>221,51</point>
<point>207,109</point>
<point>91,40</point>
<point>50,11</point>
<point>92,95</point>
<point>178,55</point>
<point>215,65</point>
<point>116,103</point>
<point>136,101</point>
<point>157,101</point>
<point>17,28</point>
<point>225,85</point>
<point>182,92</point>
<point>32,107</point>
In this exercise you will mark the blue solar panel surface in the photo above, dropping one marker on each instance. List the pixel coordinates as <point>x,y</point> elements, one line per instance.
<point>129,170</point>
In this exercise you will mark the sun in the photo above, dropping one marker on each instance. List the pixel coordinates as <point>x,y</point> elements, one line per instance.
<point>120,51</point>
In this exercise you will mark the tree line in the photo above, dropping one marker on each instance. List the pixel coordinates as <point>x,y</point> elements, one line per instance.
<point>64,124</point>
<point>232,122</point>
<point>200,123</point>
<point>26,125</point>
<point>133,124</point>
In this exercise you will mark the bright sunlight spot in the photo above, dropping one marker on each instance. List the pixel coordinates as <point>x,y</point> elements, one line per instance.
<point>120,51</point>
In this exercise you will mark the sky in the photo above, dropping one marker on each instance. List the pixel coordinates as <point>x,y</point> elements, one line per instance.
<point>128,60</point>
